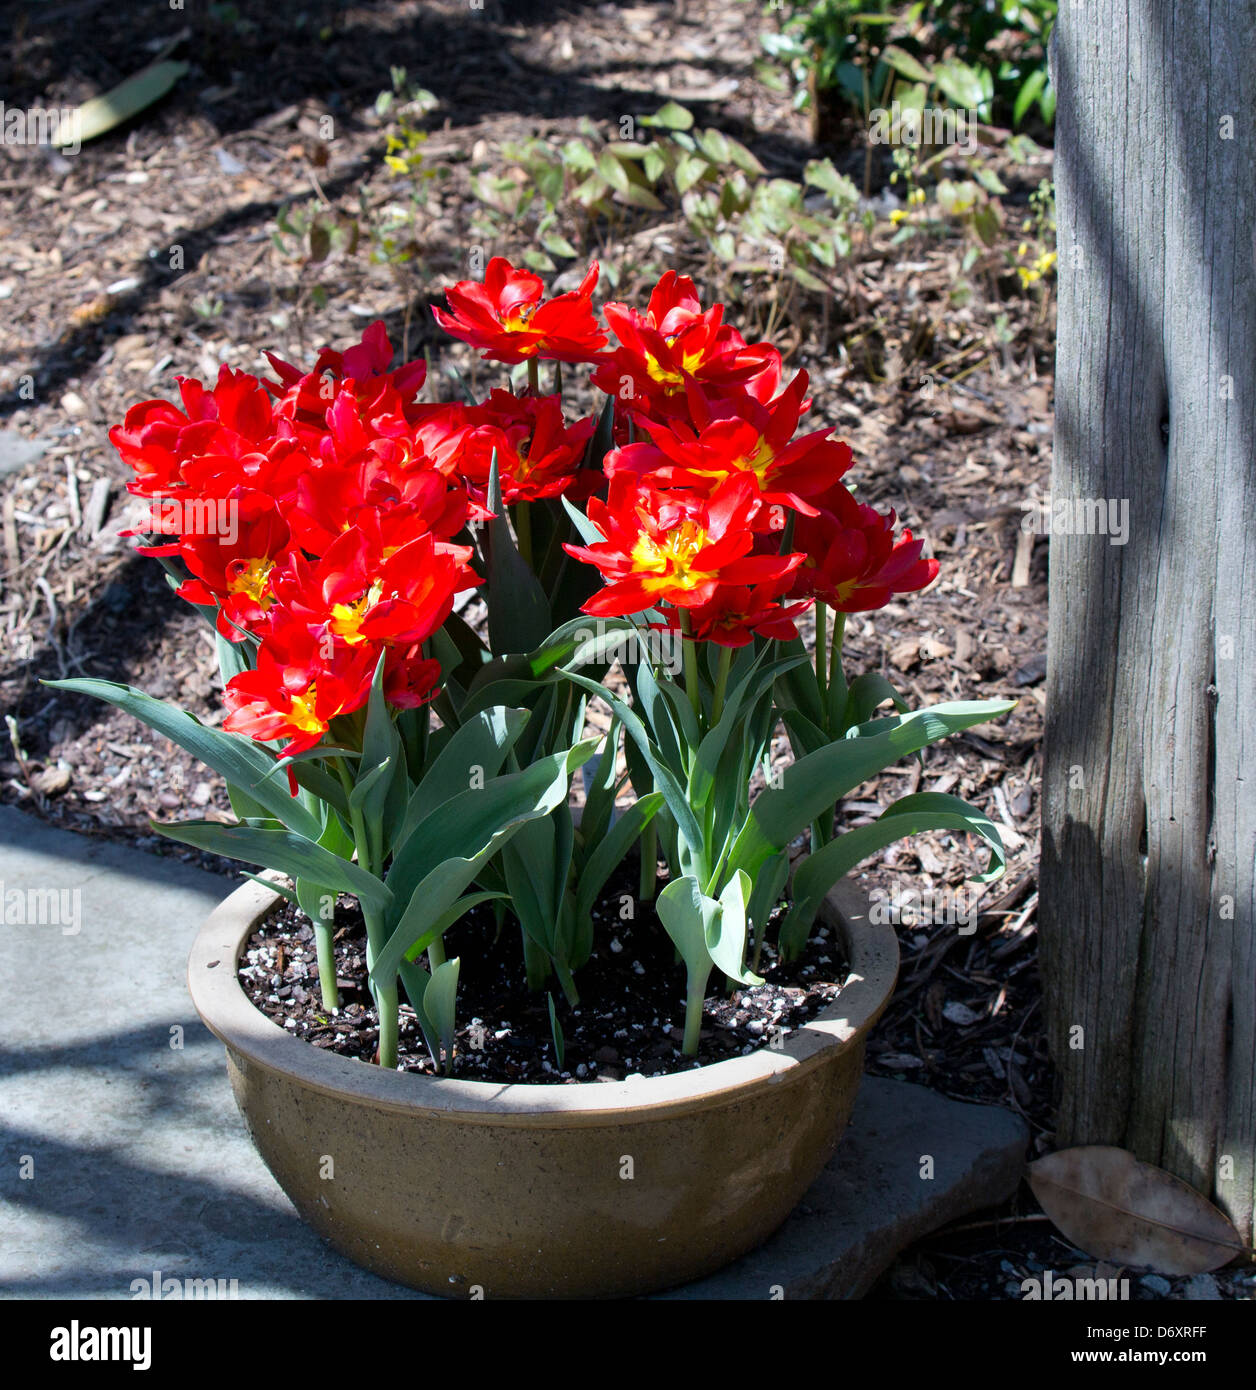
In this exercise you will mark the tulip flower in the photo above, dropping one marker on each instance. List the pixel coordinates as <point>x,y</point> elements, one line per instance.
<point>853,562</point>
<point>157,438</point>
<point>739,434</point>
<point>305,397</point>
<point>538,455</point>
<point>234,573</point>
<point>506,317</point>
<point>736,614</point>
<point>301,683</point>
<point>675,344</point>
<point>674,547</point>
<point>363,592</point>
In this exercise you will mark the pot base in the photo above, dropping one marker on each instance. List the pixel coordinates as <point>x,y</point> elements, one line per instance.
<point>598,1190</point>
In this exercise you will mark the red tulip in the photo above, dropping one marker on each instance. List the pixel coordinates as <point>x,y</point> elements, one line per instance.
<point>674,547</point>
<point>305,397</point>
<point>302,682</point>
<point>853,561</point>
<point>738,434</point>
<point>505,316</point>
<point>538,455</point>
<point>736,614</point>
<point>362,591</point>
<point>233,571</point>
<point>675,344</point>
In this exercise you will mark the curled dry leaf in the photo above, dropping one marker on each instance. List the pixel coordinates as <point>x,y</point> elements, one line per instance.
<point>1117,1208</point>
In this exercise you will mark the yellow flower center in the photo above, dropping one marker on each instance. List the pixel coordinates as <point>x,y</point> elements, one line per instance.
<point>759,463</point>
<point>252,578</point>
<point>517,320</point>
<point>301,715</point>
<point>346,618</point>
<point>668,564</point>
<point>672,377</point>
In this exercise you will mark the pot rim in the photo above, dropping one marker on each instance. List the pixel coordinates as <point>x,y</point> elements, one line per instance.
<point>225,1009</point>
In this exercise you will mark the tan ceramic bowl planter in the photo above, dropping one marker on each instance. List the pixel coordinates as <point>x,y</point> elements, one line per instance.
<point>591,1190</point>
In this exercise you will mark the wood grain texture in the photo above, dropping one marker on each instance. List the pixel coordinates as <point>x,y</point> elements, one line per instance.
<point>1149,806</point>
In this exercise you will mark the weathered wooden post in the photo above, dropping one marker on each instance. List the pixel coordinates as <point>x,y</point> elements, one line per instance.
<point>1149,809</point>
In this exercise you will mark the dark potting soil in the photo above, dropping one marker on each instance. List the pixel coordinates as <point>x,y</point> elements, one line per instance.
<point>629,1020</point>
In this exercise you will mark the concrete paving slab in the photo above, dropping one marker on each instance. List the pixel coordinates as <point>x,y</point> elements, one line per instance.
<point>123,1157</point>
<point>114,1097</point>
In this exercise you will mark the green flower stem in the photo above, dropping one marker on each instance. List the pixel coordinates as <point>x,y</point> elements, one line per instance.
<point>759,932</point>
<point>691,665</point>
<point>324,933</point>
<point>523,530</point>
<point>436,954</point>
<point>389,1024</point>
<point>693,1015</point>
<point>649,862</point>
<point>385,995</point>
<point>721,683</point>
<point>837,676</point>
<point>822,654</point>
<point>534,375</point>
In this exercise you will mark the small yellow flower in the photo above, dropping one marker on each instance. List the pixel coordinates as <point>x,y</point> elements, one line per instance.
<point>897,216</point>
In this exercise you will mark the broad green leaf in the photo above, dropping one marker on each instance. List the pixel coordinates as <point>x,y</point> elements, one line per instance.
<point>589,533</point>
<point>469,822</point>
<point>685,912</point>
<point>815,783</point>
<point>288,853</point>
<point>483,742</point>
<point>237,760</point>
<point>612,849</point>
<point>416,981</point>
<point>518,611</point>
<point>743,158</point>
<point>738,703</point>
<point>454,913</point>
<point>804,736</point>
<point>726,931</point>
<point>601,442</point>
<point>613,172</point>
<point>233,657</point>
<point>316,900</point>
<point>529,880</point>
<point>769,887</point>
<point>866,692</point>
<point>903,62</point>
<point>430,911</point>
<point>664,778</point>
<point>638,197</point>
<point>690,172</point>
<point>714,144</point>
<point>384,805</point>
<point>601,784</point>
<point>440,1004</point>
<point>907,816</point>
<point>798,688</point>
<point>671,116</point>
<point>1028,94</point>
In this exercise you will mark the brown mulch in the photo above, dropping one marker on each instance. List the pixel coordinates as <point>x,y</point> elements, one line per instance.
<point>98,315</point>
